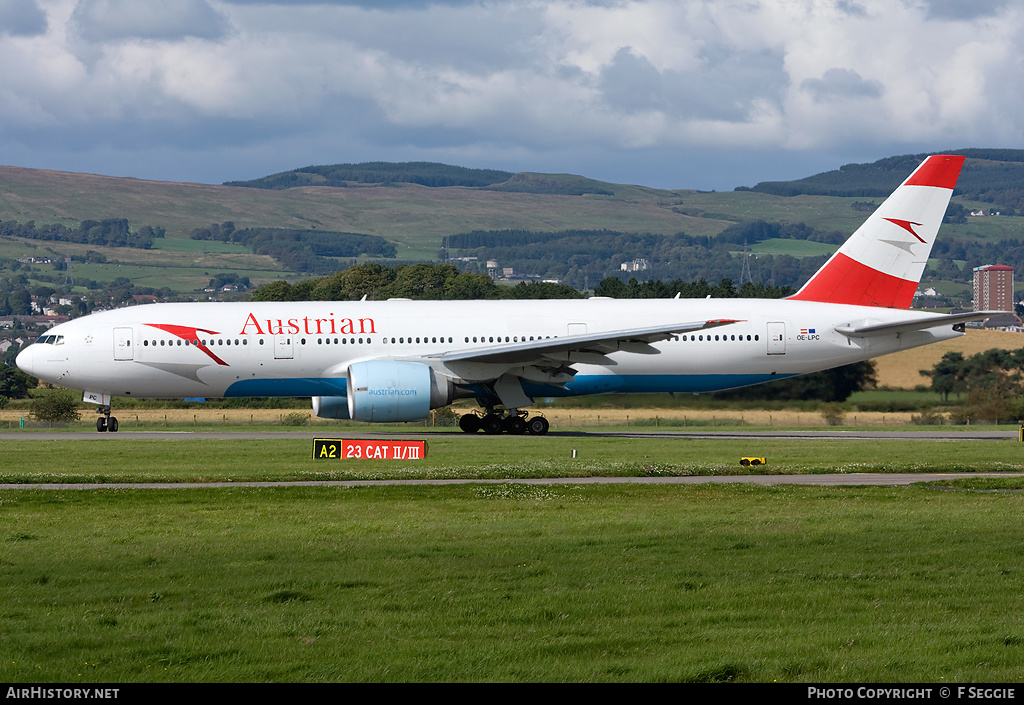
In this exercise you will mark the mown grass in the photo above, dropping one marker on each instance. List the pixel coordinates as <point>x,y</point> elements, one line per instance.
<point>508,582</point>
<point>511,583</point>
<point>105,458</point>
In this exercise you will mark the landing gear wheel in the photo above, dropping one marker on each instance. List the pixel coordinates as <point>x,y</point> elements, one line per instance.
<point>469,423</point>
<point>514,425</point>
<point>491,424</point>
<point>106,422</point>
<point>538,425</point>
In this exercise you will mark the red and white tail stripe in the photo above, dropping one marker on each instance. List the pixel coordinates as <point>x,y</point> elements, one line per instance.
<point>881,264</point>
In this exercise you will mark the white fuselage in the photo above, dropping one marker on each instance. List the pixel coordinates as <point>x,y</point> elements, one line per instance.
<point>303,349</point>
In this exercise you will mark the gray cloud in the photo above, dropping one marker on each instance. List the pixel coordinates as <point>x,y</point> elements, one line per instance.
<point>105,20</point>
<point>960,10</point>
<point>722,87</point>
<point>841,84</point>
<point>214,90</point>
<point>852,8</point>
<point>21,18</point>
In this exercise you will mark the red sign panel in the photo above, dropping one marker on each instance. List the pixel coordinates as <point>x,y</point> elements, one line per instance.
<point>355,449</point>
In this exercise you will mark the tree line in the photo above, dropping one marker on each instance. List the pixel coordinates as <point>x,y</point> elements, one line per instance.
<point>309,251</point>
<point>990,384</point>
<point>379,282</point>
<point>975,254</point>
<point>581,258</point>
<point>413,281</point>
<point>112,232</point>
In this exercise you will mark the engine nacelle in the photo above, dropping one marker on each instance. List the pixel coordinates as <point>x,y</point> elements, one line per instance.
<point>393,390</point>
<point>331,407</point>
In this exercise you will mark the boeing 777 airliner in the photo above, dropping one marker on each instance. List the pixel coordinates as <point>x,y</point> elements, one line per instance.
<point>395,360</point>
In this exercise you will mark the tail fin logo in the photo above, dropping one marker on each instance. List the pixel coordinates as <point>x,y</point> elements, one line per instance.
<point>907,225</point>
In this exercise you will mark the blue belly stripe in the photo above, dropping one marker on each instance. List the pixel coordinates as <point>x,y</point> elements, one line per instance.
<point>288,387</point>
<point>677,384</point>
<point>582,385</point>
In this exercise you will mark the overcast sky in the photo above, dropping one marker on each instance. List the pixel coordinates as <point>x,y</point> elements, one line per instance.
<point>707,94</point>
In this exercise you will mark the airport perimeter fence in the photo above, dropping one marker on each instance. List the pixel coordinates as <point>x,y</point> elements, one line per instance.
<point>646,419</point>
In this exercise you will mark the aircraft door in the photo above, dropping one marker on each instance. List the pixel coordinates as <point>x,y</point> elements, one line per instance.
<point>776,338</point>
<point>123,344</point>
<point>576,329</point>
<point>283,347</point>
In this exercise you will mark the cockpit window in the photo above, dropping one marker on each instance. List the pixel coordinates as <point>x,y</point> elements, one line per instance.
<point>51,340</point>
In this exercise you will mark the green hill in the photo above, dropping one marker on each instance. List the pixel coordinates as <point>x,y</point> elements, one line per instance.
<point>379,173</point>
<point>993,176</point>
<point>570,227</point>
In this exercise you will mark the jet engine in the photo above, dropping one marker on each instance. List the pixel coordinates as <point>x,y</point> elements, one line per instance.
<point>394,390</point>
<point>331,407</point>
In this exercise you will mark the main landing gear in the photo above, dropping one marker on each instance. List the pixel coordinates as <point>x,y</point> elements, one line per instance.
<point>514,423</point>
<point>105,422</point>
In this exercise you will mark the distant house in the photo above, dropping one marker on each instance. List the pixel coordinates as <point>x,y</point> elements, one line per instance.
<point>1007,322</point>
<point>637,265</point>
<point>47,321</point>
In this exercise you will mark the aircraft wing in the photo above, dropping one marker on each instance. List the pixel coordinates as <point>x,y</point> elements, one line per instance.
<point>941,319</point>
<point>557,349</point>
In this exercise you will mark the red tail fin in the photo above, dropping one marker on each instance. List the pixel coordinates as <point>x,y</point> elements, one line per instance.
<point>881,264</point>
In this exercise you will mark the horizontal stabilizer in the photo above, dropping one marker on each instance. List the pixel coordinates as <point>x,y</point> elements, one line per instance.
<point>913,324</point>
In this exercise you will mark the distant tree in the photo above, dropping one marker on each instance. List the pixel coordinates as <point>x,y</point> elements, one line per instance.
<point>370,280</point>
<point>991,383</point>
<point>274,291</point>
<point>14,383</point>
<point>948,374</point>
<point>612,287</point>
<point>543,290</point>
<point>422,281</point>
<point>468,286</point>
<point>58,405</point>
<point>835,385</point>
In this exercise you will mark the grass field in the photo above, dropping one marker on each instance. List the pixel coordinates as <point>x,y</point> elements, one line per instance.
<point>510,583</point>
<point>287,456</point>
<point>503,582</point>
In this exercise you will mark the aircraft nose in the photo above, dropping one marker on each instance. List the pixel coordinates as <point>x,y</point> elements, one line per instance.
<point>26,360</point>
